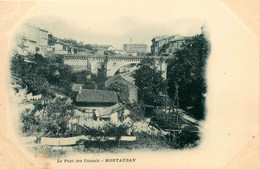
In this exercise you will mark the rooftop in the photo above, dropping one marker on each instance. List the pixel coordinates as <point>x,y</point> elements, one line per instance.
<point>96,96</point>
<point>125,76</point>
<point>75,87</point>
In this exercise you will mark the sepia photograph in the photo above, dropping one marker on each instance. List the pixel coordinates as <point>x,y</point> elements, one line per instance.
<point>129,84</point>
<point>82,95</point>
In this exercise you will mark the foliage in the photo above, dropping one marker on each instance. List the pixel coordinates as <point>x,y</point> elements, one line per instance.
<point>115,131</point>
<point>136,111</point>
<point>108,130</point>
<point>83,77</point>
<point>52,120</point>
<point>38,74</point>
<point>31,73</point>
<point>100,78</point>
<point>109,53</point>
<point>186,74</point>
<point>51,40</point>
<point>164,120</point>
<point>121,91</point>
<point>75,43</point>
<point>149,80</point>
<point>29,121</point>
<point>188,137</point>
<point>144,140</point>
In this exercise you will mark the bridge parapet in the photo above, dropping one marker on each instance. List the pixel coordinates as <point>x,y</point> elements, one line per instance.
<point>123,57</point>
<point>113,63</point>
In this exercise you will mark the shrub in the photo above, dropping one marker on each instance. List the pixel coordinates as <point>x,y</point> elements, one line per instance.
<point>188,137</point>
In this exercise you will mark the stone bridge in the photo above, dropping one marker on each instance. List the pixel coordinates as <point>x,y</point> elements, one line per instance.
<point>113,63</point>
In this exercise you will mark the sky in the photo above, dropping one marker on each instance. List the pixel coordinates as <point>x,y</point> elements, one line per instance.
<point>96,23</point>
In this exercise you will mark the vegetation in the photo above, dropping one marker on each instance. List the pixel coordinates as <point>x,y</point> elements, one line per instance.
<point>186,76</point>
<point>108,130</point>
<point>184,89</point>
<point>137,112</point>
<point>49,118</point>
<point>165,120</point>
<point>121,91</point>
<point>152,86</point>
<point>52,40</point>
<point>100,78</point>
<point>38,74</point>
<point>46,76</point>
<point>188,138</point>
<point>74,43</point>
<point>158,98</point>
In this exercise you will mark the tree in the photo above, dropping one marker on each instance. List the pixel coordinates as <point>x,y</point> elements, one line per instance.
<point>101,77</point>
<point>51,40</point>
<point>186,75</point>
<point>121,91</point>
<point>53,119</point>
<point>188,137</point>
<point>88,46</point>
<point>152,86</point>
<point>165,120</point>
<point>136,111</point>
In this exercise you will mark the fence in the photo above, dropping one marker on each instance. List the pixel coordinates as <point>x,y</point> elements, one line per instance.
<point>73,140</point>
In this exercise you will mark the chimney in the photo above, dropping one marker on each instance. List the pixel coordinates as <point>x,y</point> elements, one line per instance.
<point>80,89</point>
<point>96,86</point>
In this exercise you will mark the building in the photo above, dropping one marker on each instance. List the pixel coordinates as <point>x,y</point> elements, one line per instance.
<point>76,87</point>
<point>166,45</point>
<point>135,48</point>
<point>35,39</point>
<point>92,100</point>
<point>125,79</point>
<point>204,30</point>
<point>59,48</point>
<point>114,114</point>
<point>62,48</point>
<point>98,105</point>
<point>100,49</point>
<point>119,52</point>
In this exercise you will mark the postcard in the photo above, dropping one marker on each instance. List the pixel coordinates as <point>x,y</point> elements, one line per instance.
<point>129,84</point>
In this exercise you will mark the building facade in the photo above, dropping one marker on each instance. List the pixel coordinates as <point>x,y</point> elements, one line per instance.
<point>98,105</point>
<point>100,49</point>
<point>127,80</point>
<point>135,48</point>
<point>35,39</point>
<point>92,100</point>
<point>166,45</point>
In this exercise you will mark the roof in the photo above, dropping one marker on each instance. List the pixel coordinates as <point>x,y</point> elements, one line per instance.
<point>106,113</point>
<point>125,76</point>
<point>57,90</point>
<point>96,96</point>
<point>75,87</point>
<point>187,118</point>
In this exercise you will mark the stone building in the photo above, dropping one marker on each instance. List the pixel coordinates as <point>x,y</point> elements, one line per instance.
<point>100,49</point>
<point>92,100</point>
<point>98,105</point>
<point>125,79</point>
<point>166,45</point>
<point>35,39</point>
<point>135,48</point>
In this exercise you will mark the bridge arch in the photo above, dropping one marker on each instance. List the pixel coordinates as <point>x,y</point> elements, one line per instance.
<point>126,68</point>
<point>114,65</point>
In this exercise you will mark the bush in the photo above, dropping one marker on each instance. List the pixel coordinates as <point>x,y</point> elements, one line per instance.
<point>108,130</point>
<point>188,137</point>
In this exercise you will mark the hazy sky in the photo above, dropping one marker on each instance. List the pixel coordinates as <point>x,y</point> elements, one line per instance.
<point>99,23</point>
